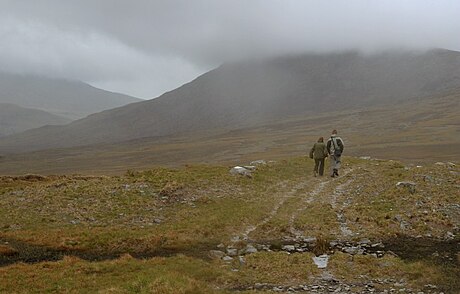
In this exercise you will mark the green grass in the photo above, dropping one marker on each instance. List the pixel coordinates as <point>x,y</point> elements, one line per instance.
<point>181,214</point>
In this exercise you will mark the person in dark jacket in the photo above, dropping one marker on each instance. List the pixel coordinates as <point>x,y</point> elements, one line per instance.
<point>319,153</point>
<point>335,148</point>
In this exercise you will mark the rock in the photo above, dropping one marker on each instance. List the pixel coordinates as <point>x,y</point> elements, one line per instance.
<point>353,250</point>
<point>227,258</point>
<point>239,170</point>
<point>449,236</point>
<point>250,167</point>
<point>232,251</point>
<point>365,242</point>
<point>409,185</point>
<point>258,162</point>
<point>365,157</point>
<point>221,245</point>
<point>289,248</point>
<point>216,254</point>
<point>321,261</point>
<point>250,249</point>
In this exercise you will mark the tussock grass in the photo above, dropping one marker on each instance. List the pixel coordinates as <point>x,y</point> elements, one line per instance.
<point>183,213</point>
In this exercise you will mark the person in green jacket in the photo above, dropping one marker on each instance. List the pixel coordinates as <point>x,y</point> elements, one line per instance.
<point>319,153</point>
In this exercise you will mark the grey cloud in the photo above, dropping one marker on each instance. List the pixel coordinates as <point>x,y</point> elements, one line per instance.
<point>146,47</point>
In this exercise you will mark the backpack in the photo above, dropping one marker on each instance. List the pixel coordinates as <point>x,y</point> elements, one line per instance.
<point>337,150</point>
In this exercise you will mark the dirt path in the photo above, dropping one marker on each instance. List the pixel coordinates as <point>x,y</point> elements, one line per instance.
<point>297,192</point>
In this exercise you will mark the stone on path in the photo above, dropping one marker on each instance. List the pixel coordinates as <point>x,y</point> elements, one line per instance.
<point>321,261</point>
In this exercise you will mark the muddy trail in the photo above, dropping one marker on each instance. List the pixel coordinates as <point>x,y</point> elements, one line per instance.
<point>405,247</point>
<point>22,252</point>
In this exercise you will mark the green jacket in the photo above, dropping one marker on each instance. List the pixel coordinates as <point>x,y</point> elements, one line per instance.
<point>318,151</point>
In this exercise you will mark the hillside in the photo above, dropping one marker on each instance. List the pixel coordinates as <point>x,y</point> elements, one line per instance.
<point>199,229</point>
<point>70,99</point>
<point>16,119</point>
<point>241,95</point>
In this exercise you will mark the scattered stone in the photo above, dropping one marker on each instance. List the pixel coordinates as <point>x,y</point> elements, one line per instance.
<point>239,170</point>
<point>216,254</point>
<point>289,248</point>
<point>449,236</point>
<point>250,249</point>
<point>365,157</point>
<point>353,250</point>
<point>258,162</point>
<point>221,245</point>
<point>310,240</point>
<point>365,242</point>
<point>232,251</point>
<point>409,185</point>
<point>250,167</point>
<point>227,258</point>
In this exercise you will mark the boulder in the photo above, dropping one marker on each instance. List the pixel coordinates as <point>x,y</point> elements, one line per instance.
<point>239,170</point>
<point>408,185</point>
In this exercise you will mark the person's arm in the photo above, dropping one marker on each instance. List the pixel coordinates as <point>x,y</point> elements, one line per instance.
<point>328,147</point>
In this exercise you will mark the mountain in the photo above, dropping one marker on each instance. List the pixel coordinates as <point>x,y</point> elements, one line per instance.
<point>257,92</point>
<point>15,119</point>
<point>71,99</point>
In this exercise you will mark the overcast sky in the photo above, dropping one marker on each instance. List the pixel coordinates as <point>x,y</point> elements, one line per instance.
<point>146,47</point>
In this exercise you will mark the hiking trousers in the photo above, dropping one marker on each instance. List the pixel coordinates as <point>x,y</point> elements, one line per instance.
<point>335,163</point>
<point>319,166</point>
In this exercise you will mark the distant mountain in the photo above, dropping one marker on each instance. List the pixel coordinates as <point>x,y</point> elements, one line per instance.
<point>256,92</point>
<point>71,99</point>
<point>15,119</point>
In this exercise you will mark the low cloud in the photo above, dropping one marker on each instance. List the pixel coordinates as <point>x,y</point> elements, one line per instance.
<point>145,47</point>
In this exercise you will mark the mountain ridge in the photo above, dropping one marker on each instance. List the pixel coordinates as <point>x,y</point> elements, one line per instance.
<point>243,94</point>
<point>15,119</point>
<point>69,98</point>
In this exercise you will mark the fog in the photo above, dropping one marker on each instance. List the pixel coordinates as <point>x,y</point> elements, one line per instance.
<point>144,48</point>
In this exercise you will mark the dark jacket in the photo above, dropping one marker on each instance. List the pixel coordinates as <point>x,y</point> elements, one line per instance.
<point>337,144</point>
<point>318,151</point>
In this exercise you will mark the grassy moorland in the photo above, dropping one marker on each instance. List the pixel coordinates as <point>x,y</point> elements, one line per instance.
<point>199,229</point>
<point>417,131</point>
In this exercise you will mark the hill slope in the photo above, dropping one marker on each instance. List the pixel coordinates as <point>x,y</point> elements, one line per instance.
<point>15,119</point>
<point>241,95</point>
<point>71,99</point>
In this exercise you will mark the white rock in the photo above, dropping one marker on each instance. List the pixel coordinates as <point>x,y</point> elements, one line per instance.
<point>288,248</point>
<point>227,258</point>
<point>239,170</point>
<point>321,261</point>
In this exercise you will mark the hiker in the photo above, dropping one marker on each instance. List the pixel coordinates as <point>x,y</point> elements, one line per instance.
<point>319,153</point>
<point>335,149</point>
